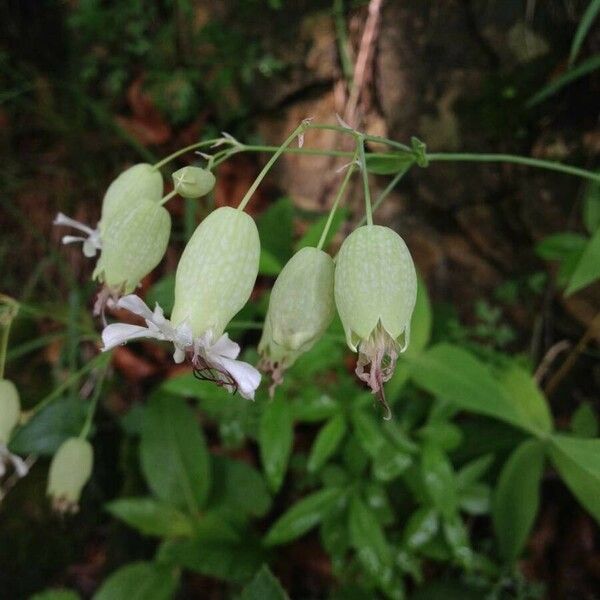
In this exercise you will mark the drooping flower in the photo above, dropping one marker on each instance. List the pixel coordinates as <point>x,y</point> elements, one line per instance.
<point>215,277</point>
<point>70,470</point>
<point>301,307</point>
<point>193,182</point>
<point>10,412</point>
<point>375,294</point>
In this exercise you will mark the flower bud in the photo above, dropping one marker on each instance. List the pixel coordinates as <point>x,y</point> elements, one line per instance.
<point>375,294</point>
<point>70,469</point>
<point>10,409</point>
<point>301,308</point>
<point>133,245</point>
<point>216,272</point>
<point>138,183</point>
<point>193,182</point>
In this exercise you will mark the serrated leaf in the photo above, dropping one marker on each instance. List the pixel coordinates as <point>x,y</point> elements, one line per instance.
<point>139,581</point>
<point>303,516</point>
<point>151,517</point>
<point>264,586</point>
<point>276,436</point>
<point>173,453</point>
<point>516,499</point>
<point>327,442</point>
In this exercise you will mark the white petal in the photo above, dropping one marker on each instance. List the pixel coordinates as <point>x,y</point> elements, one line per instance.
<point>62,219</point>
<point>71,239</point>
<point>116,334</point>
<point>179,355</point>
<point>89,247</point>
<point>225,347</point>
<point>137,306</point>
<point>21,468</point>
<point>245,375</point>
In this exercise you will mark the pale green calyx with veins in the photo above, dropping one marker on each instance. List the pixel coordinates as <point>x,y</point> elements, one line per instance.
<point>10,413</point>
<point>70,470</point>
<point>193,182</point>
<point>301,308</point>
<point>375,294</point>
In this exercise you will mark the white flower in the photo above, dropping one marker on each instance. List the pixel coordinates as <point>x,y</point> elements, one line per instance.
<point>91,241</point>
<point>7,457</point>
<point>215,361</point>
<point>158,327</point>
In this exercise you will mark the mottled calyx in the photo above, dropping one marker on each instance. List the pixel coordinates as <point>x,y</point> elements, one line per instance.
<point>216,272</point>
<point>193,182</point>
<point>10,409</point>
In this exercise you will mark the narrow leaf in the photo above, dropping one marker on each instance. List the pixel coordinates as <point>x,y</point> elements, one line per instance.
<point>588,268</point>
<point>590,14</point>
<point>264,586</point>
<point>276,436</point>
<point>139,581</point>
<point>327,442</point>
<point>516,500</point>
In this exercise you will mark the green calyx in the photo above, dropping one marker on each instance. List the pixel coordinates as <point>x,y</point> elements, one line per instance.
<point>301,307</point>
<point>139,183</point>
<point>10,409</point>
<point>132,245</point>
<point>193,182</point>
<point>217,271</point>
<point>70,470</point>
<point>375,284</point>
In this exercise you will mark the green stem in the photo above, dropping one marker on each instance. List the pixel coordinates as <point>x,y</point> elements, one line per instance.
<point>384,194</point>
<point>365,177</point>
<point>338,197</point>
<point>8,311</point>
<point>89,418</point>
<point>342,40</point>
<point>300,129</point>
<point>189,148</point>
<point>168,197</point>
<point>98,359</point>
<point>518,160</point>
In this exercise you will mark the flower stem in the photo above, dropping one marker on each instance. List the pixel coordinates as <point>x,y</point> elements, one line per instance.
<point>365,176</point>
<point>168,197</point>
<point>515,159</point>
<point>338,197</point>
<point>93,404</point>
<point>8,311</point>
<point>298,131</point>
<point>181,151</point>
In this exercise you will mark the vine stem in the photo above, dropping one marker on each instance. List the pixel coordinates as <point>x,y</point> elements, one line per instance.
<point>168,197</point>
<point>195,146</point>
<point>338,197</point>
<point>365,177</point>
<point>515,159</point>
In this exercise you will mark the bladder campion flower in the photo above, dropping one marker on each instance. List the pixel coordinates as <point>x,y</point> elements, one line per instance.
<point>70,469</point>
<point>215,277</point>
<point>10,412</point>
<point>193,182</point>
<point>301,308</point>
<point>375,294</point>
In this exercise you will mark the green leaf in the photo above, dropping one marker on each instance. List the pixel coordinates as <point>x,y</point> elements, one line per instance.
<point>327,442</point>
<point>173,453</point>
<point>588,268</point>
<point>527,397</point>
<point>421,527</point>
<point>140,581</point>
<point>239,488</point>
<point>516,499</point>
<point>56,594</point>
<point>578,462</point>
<point>591,206</point>
<point>313,233</point>
<point>276,229</point>
<point>163,293</point>
<point>264,586</point>
<point>581,70</point>
<point>453,374</point>
<point>304,515</point>
<point>49,428</point>
<point>560,246</point>
<point>472,471</point>
<point>368,539</point>
<point>476,499</point>
<point>439,480</point>
<point>276,436</point>
<point>268,264</point>
<point>389,164</point>
<point>591,12</point>
<point>151,517</point>
<point>584,422</point>
<point>456,534</point>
